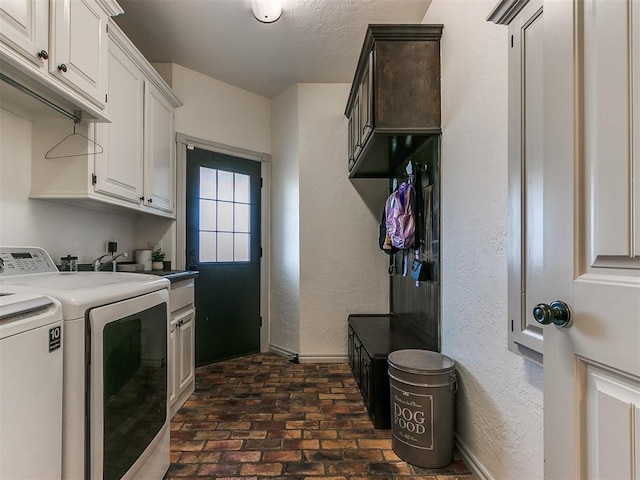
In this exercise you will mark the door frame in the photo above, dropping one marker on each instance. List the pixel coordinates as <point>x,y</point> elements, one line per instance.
<point>184,142</point>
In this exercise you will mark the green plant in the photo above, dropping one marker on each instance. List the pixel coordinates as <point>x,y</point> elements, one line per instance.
<point>157,255</point>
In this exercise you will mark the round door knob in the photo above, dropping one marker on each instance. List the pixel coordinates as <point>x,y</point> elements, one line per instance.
<point>62,67</point>
<point>43,54</point>
<point>557,312</point>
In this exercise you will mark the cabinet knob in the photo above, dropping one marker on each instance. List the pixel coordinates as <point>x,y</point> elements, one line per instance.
<point>150,200</point>
<point>43,54</point>
<point>142,199</point>
<point>62,67</point>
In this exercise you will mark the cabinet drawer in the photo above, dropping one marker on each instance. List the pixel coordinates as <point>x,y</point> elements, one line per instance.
<point>181,294</point>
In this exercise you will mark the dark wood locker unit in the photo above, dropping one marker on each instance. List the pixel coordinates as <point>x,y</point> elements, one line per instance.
<point>394,102</point>
<point>370,340</point>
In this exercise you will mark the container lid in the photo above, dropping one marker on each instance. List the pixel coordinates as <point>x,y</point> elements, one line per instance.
<point>420,361</point>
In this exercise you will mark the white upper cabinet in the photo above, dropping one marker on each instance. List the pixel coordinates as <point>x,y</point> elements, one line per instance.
<point>119,170</point>
<point>136,170</point>
<point>526,172</point>
<point>24,26</point>
<point>58,48</point>
<point>159,157</point>
<point>79,47</point>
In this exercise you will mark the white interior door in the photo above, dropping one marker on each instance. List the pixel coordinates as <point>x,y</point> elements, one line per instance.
<point>592,238</point>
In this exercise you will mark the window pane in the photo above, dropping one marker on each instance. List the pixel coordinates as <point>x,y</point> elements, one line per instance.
<point>241,244</point>
<point>242,188</point>
<point>225,217</point>
<point>207,182</point>
<point>242,218</point>
<point>225,186</point>
<point>225,247</point>
<point>208,214</point>
<point>207,247</point>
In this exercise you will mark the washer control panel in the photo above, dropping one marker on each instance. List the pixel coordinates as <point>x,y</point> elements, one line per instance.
<point>22,260</point>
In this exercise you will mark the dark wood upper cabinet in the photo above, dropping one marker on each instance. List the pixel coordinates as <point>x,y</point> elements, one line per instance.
<point>394,103</point>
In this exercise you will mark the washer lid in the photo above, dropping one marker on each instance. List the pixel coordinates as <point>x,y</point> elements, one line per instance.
<point>420,361</point>
<point>12,305</point>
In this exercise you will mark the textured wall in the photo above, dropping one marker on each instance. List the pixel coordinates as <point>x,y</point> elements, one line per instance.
<point>285,227</point>
<point>342,270</point>
<point>219,112</point>
<point>59,229</point>
<point>499,404</point>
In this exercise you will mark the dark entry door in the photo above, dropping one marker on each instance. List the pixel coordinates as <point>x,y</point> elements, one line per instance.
<point>223,240</point>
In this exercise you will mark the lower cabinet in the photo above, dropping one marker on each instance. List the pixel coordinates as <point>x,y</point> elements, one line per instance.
<point>181,344</point>
<point>371,338</point>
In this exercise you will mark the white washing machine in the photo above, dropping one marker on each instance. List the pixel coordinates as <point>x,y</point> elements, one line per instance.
<point>115,363</point>
<point>30,387</point>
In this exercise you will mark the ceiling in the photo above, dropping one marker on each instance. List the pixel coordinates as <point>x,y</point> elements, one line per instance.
<point>315,41</point>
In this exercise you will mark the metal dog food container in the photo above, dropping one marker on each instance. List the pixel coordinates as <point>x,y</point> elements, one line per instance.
<point>422,385</point>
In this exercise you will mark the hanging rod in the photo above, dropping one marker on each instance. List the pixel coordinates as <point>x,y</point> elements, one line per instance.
<point>76,116</point>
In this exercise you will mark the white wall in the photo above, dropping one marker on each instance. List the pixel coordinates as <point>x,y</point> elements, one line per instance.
<point>499,404</point>
<point>219,112</point>
<point>285,224</point>
<point>342,270</point>
<point>59,229</point>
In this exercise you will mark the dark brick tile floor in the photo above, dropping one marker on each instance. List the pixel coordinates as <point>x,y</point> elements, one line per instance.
<point>262,417</point>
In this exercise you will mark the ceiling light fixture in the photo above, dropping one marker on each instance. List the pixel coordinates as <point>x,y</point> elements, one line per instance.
<point>266,11</point>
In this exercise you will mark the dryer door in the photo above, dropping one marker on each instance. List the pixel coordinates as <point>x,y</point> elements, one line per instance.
<point>128,385</point>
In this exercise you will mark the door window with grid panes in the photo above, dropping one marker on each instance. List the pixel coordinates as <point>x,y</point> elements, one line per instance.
<point>225,213</point>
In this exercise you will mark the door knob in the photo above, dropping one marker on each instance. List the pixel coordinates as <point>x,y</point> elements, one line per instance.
<point>557,312</point>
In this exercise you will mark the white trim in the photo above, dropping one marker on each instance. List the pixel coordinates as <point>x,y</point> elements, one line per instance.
<point>311,358</point>
<point>283,352</point>
<point>183,141</point>
<point>477,469</point>
<point>321,358</point>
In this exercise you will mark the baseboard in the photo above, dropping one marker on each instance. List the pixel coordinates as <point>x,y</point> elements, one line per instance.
<point>283,352</point>
<point>471,461</point>
<point>317,358</point>
<point>309,358</point>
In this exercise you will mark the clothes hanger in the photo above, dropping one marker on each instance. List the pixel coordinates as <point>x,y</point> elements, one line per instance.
<point>73,142</point>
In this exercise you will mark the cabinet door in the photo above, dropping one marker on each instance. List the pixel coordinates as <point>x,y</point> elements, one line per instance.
<point>351,143</point>
<point>119,170</point>
<point>79,47</point>
<point>355,129</point>
<point>173,362</point>
<point>159,154</point>
<point>366,379</point>
<point>24,26</point>
<point>366,116</point>
<point>357,353</point>
<point>186,349</point>
<point>350,348</point>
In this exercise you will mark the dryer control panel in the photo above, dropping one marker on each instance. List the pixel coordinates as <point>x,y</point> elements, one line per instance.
<point>22,260</point>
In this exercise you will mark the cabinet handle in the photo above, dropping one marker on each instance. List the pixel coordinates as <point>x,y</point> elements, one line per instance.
<point>150,200</point>
<point>142,199</point>
<point>43,54</point>
<point>62,67</point>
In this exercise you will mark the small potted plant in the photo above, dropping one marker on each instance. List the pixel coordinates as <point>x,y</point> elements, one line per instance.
<point>157,256</point>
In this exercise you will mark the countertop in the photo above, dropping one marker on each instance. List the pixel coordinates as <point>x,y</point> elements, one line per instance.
<point>172,275</point>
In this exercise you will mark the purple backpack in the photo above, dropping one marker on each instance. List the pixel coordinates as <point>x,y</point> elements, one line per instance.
<point>399,217</point>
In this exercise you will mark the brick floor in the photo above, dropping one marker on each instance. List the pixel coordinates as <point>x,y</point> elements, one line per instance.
<point>262,417</point>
